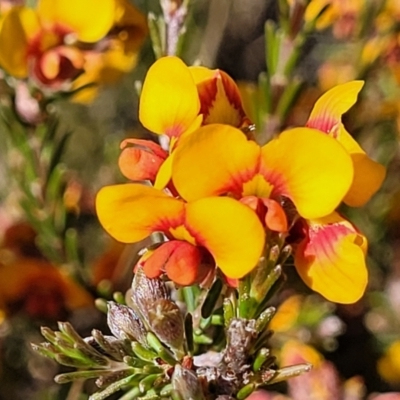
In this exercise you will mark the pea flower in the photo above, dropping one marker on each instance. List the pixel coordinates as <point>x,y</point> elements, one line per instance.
<point>332,241</point>
<point>311,169</point>
<point>58,43</point>
<point>220,227</point>
<point>196,96</point>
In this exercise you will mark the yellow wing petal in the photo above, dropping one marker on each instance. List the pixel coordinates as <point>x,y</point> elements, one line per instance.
<point>331,260</point>
<point>230,231</point>
<point>131,212</point>
<point>310,168</point>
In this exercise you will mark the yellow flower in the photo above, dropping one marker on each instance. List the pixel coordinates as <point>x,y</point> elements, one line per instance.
<point>177,99</point>
<point>389,364</point>
<point>342,15</point>
<point>309,168</point>
<point>59,42</point>
<point>39,289</point>
<point>226,229</point>
<point>30,284</point>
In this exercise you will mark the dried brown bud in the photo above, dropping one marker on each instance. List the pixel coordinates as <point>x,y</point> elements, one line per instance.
<point>166,321</point>
<point>185,382</point>
<point>146,291</point>
<point>124,323</point>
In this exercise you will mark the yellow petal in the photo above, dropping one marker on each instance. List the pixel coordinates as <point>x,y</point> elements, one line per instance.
<point>327,116</point>
<point>331,260</point>
<point>296,352</point>
<point>389,364</point>
<point>169,103</point>
<point>91,20</point>
<point>329,108</point>
<point>287,314</point>
<point>19,25</point>
<point>230,231</point>
<point>131,212</point>
<point>164,173</point>
<point>213,160</point>
<point>368,178</point>
<point>310,168</point>
<point>368,174</point>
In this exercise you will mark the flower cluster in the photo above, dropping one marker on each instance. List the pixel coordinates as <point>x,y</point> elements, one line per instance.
<point>57,49</point>
<point>219,198</point>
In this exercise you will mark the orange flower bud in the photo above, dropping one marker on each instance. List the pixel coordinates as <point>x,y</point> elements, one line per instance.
<point>180,260</point>
<point>142,160</point>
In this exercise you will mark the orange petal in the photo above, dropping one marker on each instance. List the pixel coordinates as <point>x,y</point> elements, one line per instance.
<point>229,230</point>
<point>275,217</point>
<point>141,161</point>
<point>329,108</point>
<point>216,159</point>
<point>269,211</point>
<point>331,259</point>
<point>131,212</point>
<point>310,168</point>
<point>182,265</point>
<point>219,97</point>
<point>50,64</point>
<point>169,103</point>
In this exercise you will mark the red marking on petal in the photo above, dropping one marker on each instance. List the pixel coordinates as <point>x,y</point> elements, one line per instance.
<point>324,123</point>
<point>207,91</point>
<point>322,239</point>
<point>174,131</point>
<point>233,95</point>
